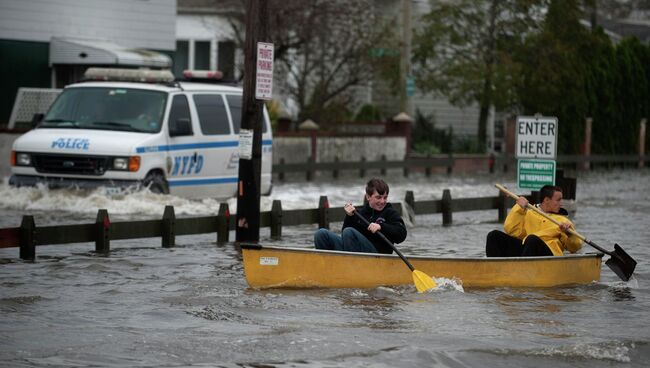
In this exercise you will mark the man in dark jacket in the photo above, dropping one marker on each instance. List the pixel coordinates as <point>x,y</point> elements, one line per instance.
<point>356,236</point>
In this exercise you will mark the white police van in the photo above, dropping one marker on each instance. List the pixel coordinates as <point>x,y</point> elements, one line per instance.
<point>126,128</point>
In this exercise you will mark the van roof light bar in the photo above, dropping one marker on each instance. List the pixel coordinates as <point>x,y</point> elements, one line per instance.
<point>129,75</point>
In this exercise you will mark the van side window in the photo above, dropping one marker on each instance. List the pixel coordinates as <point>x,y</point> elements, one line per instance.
<point>180,120</point>
<point>212,114</point>
<point>235,105</point>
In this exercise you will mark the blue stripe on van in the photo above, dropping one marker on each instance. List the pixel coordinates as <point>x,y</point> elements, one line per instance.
<point>185,182</point>
<point>189,146</point>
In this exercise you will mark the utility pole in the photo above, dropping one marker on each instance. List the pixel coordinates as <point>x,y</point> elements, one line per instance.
<point>250,163</point>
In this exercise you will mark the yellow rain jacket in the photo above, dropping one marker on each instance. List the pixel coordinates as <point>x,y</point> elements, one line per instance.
<point>521,222</point>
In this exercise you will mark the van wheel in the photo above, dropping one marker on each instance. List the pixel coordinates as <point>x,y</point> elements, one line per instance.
<point>156,184</point>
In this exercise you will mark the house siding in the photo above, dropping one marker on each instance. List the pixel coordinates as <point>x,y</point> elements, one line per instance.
<point>142,24</point>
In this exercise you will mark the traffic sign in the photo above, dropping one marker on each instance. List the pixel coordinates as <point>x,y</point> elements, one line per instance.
<point>534,174</point>
<point>264,71</point>
<point>536,137</point>
<point>410,86</point>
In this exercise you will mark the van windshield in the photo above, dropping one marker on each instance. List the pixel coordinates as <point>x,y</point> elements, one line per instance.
<point>124,109</point>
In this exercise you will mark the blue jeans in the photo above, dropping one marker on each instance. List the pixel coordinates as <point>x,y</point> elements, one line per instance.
<point>350,240</point>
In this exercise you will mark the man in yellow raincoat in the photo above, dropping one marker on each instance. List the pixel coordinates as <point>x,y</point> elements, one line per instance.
<point>528,233</point>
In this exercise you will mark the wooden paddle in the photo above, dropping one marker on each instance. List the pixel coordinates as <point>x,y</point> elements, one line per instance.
<point>620,262</point>
<point>421,280</point>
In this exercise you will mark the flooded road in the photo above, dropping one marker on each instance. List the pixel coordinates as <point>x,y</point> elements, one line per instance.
<point>146,306</point>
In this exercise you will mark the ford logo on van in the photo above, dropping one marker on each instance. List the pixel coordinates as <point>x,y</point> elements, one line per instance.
<point>68,164</point>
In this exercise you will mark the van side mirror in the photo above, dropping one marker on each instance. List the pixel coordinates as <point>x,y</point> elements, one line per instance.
<point>37,119</point>
<point>180,127</point>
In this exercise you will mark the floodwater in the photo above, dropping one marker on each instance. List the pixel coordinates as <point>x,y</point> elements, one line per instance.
<point>146,306</point>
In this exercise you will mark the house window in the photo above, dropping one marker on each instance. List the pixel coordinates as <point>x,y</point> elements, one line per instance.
<point>199,55</point>
<point>181,60</point>
<point>226,62</point>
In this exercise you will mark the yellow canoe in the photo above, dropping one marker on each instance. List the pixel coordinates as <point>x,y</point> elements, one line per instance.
<point>280,267</point>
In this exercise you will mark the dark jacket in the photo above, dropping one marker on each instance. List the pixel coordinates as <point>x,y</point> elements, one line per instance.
<point>392,226</point>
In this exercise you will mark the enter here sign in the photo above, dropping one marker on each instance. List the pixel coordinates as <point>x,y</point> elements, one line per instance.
<point>536,137</point>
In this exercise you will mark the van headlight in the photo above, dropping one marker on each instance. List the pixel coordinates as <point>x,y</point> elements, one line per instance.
<point>131,163</point>
<point>23,159</point>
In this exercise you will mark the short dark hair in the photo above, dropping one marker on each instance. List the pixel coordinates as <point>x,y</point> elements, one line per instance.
<point>378,185</point>
<point>547,191</point>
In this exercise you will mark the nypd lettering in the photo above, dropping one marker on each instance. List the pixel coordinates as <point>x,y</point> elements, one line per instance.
<point>71,143</point>
<point>187,165</point>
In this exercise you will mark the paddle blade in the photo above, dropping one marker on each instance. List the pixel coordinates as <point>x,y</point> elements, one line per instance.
<point>422,281</point>
<point>621,263</point>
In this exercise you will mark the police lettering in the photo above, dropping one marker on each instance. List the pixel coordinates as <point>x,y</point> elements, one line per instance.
<point>187,165</point>
<point>71,143</point>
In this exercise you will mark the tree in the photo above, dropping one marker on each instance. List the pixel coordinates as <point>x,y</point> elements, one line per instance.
<point>323,50</point>
<point>572,72</point>
<point>555,72</point>
<point>465,50</point>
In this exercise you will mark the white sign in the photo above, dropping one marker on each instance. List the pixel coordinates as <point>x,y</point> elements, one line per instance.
<point>536,137</point>
<point>264,77</point>
<point>246,144</point>
<point>269,261</point>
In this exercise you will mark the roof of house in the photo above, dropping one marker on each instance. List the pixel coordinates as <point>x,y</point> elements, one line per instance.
<point>627,28</point>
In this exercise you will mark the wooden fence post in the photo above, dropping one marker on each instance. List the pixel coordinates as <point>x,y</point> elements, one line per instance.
<point>26,241</point>
<point>406,167</point>
<point>223,223</point>
<point>383,166</point>
<point>491,160</point>
<point>409,207</point>
<point>362,170</point>
<point>572,183</point>
<point>335,172</point>
<point>586,144</point>
<point>502,208</point>
<point>410,199</point>
<point>102,234</point>
<point>427,169</point>
<point>323,213</point>
<point>276,219</point>
<point>168,227</point>
<point>446,207</point>
<point>310,171</point>
<point>534,197</point>
<point>281,173</point>
<point>642,132</point>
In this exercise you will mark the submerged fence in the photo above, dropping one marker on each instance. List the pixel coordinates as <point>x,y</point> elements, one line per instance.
<point>449,164</point>
<point>27,236</point>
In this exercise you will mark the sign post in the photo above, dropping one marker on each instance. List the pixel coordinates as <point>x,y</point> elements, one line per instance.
<point>536,148</point>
